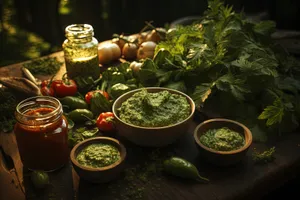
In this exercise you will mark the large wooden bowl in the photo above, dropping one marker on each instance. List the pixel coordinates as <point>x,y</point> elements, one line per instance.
<point>101,174</point>
<point>223,158</point>
<point>152,136</point>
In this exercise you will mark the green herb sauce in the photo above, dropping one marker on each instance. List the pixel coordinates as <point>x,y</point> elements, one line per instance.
<point>222,139</point>
<point>154,109</point>
<point>83,67</point>
<point>98,155</point>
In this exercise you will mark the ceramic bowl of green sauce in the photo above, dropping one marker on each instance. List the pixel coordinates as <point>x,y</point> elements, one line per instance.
<point>222,141</point>
<point>153,116</point>
<point>98,159</point>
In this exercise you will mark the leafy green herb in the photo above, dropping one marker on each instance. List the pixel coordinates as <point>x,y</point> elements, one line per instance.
<point>273,113</point>
<point>228,60</point>
<point>90,133</point>
<point>79,134</point>
<point>265,156</point>
<point>43,66</point>
<point>99,104</point>
<point>8,103</point>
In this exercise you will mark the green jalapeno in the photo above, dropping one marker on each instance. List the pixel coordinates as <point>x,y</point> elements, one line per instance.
<point>73,102</point>
<point>39,179</point>
<point>80,115</point>
<point>182,168</point>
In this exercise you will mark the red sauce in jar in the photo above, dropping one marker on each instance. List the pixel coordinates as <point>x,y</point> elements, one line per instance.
<point>42,146</point>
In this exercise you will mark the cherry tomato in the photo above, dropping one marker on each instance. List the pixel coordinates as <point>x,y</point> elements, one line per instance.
<point>105,122</point>
<point>47,91</point>
<point>90,94</point>
<point>44,83</point>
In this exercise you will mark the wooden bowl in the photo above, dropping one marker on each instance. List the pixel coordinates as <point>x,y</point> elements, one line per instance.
<point>152,136</point>
<point>102,174</point>
<point>222,158</point>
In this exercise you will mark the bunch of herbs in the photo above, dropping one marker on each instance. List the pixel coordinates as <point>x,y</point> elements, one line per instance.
<point>226,61</point>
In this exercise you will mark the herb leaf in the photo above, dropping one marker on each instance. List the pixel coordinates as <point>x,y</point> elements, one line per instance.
<point>273,113</point>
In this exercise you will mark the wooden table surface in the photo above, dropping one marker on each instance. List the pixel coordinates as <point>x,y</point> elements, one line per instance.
<point>246,180</point>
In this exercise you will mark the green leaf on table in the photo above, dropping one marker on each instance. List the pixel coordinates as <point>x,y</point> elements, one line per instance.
<point>88,133</point>
<point>273,113</point>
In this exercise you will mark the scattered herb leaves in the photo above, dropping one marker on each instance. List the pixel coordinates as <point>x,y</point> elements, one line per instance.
<point>43,66</point>
<point>265,156</point>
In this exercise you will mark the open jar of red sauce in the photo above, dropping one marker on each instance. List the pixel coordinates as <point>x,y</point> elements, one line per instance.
<point>41,132</point>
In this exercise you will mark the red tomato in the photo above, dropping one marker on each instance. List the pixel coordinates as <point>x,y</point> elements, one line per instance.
<point>64,88</point>
<point>47,91</point>
<point>105,122</point>
<point>90,94</point>
<point>44,83</point>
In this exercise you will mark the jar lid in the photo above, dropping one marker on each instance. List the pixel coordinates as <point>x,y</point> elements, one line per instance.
<point>79,31</point>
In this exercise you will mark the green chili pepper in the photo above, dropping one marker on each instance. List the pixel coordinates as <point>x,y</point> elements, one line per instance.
<point>39,179</point>
<point>182,168</point>
<point>73,102</point>
<point>80,115</point>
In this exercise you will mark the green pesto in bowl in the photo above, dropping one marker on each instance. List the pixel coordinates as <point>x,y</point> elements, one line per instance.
<point>222,139</point>
<point>156,109</point>
<point>98,155</point>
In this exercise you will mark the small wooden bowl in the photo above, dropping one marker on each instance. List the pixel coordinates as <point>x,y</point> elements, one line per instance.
<point>103,174</point>
<point>222,158</point>
<point>152,136</point>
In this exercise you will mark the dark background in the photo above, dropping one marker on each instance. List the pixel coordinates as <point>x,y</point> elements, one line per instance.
<point>32,28</point>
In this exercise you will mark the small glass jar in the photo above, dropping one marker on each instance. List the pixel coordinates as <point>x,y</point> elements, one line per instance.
<point>81,51</point>
<point>42,133</point>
